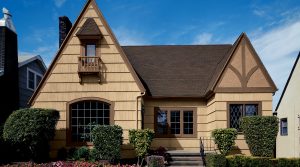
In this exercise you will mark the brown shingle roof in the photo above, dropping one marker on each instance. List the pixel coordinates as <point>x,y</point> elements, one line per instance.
<point>177,71</point>
<point>89,28</point>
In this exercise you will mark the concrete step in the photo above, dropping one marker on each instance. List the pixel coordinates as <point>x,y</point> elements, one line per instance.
<point>183,153</point>
<point>186,163</point>
<point>185,158</point>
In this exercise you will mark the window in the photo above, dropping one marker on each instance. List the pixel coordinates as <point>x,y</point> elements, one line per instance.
<point>178,122</point>
<point>90,50</point>
<point>85,115</point>
<point>237,111</point>
<point>33,79</point>
<point>283,127</point>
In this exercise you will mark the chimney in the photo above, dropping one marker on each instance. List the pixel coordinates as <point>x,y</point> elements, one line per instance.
<point>9,77</point>
<point>64,27</point>
<point>6,21</point>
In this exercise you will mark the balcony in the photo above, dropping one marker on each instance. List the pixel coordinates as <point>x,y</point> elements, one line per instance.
<point>88,65</point>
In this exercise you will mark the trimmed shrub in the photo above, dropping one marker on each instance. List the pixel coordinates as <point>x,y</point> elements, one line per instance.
<point>141,140</point>
<point>30,130</point>
<point>155,161</point>
<point>225,139</point>
<point>244,161</point>
<point>288,162</point>
<point>213,160</point>
<point>107,141</point>
<point>260,134</point>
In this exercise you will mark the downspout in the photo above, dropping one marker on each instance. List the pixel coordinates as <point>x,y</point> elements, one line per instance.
<point>137,109</point>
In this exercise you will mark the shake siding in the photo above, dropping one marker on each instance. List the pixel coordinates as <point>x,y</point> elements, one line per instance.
<point>117,85</point>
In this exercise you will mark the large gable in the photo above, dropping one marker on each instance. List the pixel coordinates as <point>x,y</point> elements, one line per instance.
<point>62,73</point>
<point>244,71</point>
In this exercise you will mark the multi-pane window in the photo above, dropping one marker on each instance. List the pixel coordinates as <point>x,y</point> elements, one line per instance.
<point>283,127</point>
<point>175,122</point>
<point>179,122</point>
<point>237,111</point>
<point>85,115</point>
<point>33,79</point>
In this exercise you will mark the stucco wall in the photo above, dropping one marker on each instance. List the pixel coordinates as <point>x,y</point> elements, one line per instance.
<point>288,146</point>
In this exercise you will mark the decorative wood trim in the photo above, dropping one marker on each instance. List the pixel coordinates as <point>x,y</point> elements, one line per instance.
<point>250,73</point>
<point>242,42</point>
<point>237,73</point>
<point>68,118</point>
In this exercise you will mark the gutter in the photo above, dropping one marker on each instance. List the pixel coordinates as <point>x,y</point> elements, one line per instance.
<point>137,109</point>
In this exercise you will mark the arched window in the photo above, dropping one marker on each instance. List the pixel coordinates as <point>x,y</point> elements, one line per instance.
<point>85,115</point>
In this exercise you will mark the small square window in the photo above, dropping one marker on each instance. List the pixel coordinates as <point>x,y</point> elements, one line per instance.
<point>91,50</point>
<point>283,127</point>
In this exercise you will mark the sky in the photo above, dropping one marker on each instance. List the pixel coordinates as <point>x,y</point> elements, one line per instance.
<point>273,26</point>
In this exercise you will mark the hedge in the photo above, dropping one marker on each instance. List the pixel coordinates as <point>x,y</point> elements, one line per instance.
<point>225,139</point>
<point>213,160</point>
<point>29,131</point>
<point>260,134</point>
<point>107,140</point>
<point>243,161</point>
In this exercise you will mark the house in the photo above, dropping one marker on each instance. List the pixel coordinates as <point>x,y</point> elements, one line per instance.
<point>19,75</point>
<point>31,72</point>
<point>288,112</point>
<point>183,92</point>
<point>8,67</point>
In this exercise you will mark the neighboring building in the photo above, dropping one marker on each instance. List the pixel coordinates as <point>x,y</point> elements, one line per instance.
<point>9,97</point>
<point>31,72</point>
<point>182,92</point>
<point>288,112</point>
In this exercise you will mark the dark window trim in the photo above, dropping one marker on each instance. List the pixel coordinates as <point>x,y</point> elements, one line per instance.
<point>259,103</point>
<point>181,109</point>
<point>281,132</point>
<point>85,42</point>
<point>69,117</point>
<point>35,85</point>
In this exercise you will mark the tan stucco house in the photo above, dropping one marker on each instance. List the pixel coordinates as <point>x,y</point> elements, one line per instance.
<point>183,92</point>
<point>288,112</point>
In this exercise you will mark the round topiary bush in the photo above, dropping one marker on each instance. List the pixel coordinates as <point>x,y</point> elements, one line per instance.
<point>29,131</point>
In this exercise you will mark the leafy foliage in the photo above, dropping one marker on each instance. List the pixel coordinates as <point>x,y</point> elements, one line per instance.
<point>290,162</point>
<point>30,130</point>
<point>243,161</point>
<point>107,141</point>
<point>155,161</point>
<point>225,139</point>
<point>260,134</point>
<point>82,153</point>
<point>213,160</point>
<point>141,140</point>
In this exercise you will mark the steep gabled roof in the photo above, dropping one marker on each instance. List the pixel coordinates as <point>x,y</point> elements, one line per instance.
<point>23,60</point>
<point>63,45</point>
<point>176,71</point>
<point>89,28</point>
<point>288,81</point>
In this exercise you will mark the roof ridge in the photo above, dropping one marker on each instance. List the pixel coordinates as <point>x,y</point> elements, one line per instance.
<point>175,45</point>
